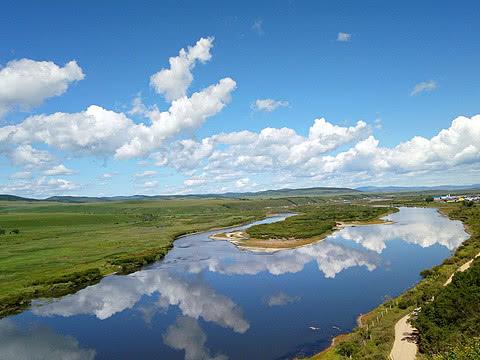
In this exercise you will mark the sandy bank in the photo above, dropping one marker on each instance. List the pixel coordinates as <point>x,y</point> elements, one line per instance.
<point>243,241</point>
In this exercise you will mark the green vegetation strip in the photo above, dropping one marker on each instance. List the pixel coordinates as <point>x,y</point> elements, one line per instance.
<point>315,221</point>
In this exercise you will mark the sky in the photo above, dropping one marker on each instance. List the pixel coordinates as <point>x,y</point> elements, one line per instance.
<point>105,98</point>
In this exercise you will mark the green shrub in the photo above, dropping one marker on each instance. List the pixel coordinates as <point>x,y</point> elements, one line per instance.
<point>347,349</point>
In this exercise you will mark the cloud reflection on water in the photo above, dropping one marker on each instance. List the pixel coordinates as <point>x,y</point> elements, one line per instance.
<point>38,342</point>
<point>185,334</point>
<point>117,293</point>
<point>412,225</point>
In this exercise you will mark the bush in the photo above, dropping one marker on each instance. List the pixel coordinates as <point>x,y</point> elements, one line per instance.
<point>15,231</point>
<point>429,199</point>
<point>347,349</point>
<point>468,351</point>
<point>3,231</point>
<point>427,273</point>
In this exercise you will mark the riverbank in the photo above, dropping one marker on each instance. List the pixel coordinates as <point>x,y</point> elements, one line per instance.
<point>376,336</point>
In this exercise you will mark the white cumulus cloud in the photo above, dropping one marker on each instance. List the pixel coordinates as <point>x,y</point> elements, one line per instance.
<point>174,81</point>
<point>27,83</point>
<point>268,105</point>
<point>58,170</point>
<point>146,173</point>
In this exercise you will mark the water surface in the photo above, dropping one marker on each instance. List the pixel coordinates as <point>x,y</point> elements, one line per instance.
<point>209,300</point>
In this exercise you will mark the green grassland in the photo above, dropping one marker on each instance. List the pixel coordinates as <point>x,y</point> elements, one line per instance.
<point>314,221</point>
<point>448,322</point>
<point>51,249</point>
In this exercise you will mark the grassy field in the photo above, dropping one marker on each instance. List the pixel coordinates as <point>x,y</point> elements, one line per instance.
<point>374,339</point>
<point>316,220</point>
<point>51,249</point>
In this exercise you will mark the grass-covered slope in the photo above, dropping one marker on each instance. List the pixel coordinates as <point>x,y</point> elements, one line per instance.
<point>50,249</point>
<point>316,220</point>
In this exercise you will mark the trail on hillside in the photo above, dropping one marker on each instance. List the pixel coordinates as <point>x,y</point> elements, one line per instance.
<point>404,347</point>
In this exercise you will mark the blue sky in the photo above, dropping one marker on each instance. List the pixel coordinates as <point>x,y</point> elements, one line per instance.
<point>341,61</point>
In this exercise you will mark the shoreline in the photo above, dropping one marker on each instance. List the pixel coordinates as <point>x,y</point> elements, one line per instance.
<point>243,241</point>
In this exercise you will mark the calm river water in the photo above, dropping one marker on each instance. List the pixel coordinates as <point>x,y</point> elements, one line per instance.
<point>209,300</point>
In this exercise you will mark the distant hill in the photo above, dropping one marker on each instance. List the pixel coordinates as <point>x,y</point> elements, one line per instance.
<point>393,189</point>
<point>314,191</point>
<point>287,192</point>
<point>15,198</point>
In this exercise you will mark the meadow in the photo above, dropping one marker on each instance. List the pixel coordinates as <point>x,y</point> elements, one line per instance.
<point>51,249</point>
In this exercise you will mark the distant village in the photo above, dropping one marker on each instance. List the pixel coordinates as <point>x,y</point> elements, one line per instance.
<point>457,198</point>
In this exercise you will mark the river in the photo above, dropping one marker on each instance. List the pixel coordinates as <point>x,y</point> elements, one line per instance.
<point>209,300</point>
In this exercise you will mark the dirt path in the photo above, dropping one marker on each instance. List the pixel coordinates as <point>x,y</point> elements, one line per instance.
<point>403,347</point>
<point>461,269</point>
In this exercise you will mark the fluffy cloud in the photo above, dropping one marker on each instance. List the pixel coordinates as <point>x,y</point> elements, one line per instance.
<point>21,175</point>
<point>425,86</point>
<point>146,173</point>
<point>58,170</point>
<point>268,105</point>
<point>27,83</point>
<point>101,132</point>
<point>94,131</point>
<point>183,114</point>
<point>26,155</point>
<point>174,81</point>
<point>457,145</point>
<point>270,149</point>
<point>97,131</point>
<point>107,175</point>
<point>42,186</point>
<point>194,182</point>
<point>149,185</point>
<point>283,151</point>
<point>344,37</point>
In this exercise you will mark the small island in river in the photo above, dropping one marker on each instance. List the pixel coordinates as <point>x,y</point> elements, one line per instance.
<point>312,224</point>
